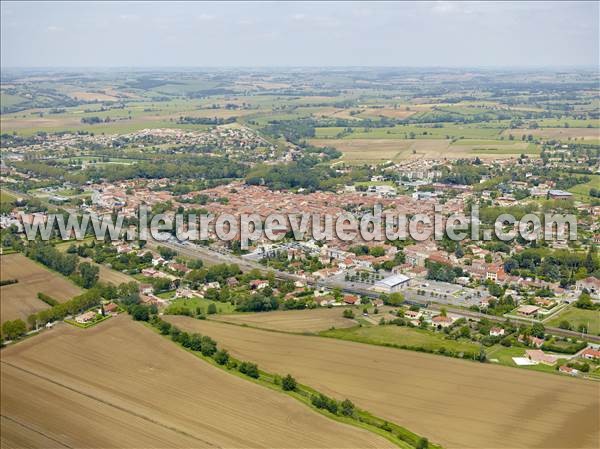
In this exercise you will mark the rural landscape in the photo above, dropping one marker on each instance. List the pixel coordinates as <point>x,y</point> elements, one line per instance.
<point>121,328</point>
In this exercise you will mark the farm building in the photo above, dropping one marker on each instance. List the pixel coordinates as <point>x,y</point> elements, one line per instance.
<point>559,195</point>
<point>392,284</point>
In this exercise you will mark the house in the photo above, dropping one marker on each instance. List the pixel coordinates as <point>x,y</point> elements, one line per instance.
<point>146,289</point>
<point>351,299</point>
<point>495,273</point>
<point>157,261</point>
<point>535,341</point>
<point>111,307</point>
<point>412,314</point>
<point>567,370</point>
<point>528,310</point>
<point>85,317</point>
<point>441,321</point>
<point>325,301</point>
<point>377,302</point>
<point>392,284</point>
<point>232,281</point>
<point>258,284</point>
<point>496,332</point>
<point>179,267</point>
<point>539,356</point>
<point>544,302</point>
<point>591,354</point>
<point>591,284</point>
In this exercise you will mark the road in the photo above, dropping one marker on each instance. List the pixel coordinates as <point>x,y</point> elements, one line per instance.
<point>211,257</point>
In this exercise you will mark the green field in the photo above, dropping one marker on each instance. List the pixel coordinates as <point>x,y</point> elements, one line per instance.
<point>193,303</point>
<point>391,335</point>
<point>577,316</point>
<point>582,191</point>
<point>6,197</point>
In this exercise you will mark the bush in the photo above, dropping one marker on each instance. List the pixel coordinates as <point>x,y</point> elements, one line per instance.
<point>221,357</point>
<point>4,282</point>
<point>249,369</point>
<point>288,383</point>
<point>212,308</point>
<point>347,407</point>
<point>208,346</point>
<point>347,313</point>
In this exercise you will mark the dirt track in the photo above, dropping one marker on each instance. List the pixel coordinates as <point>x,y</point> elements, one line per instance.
<point>456,403</point>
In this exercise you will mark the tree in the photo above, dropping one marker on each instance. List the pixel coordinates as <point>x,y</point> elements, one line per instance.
<point>423,443</point>
<point>249,369</point>
<point>14,329</point>
<point>584,301</point>
<point>347,407</point>
<point>221,357</point>
<point>348,313</point>
<point>394,299</point>
<point>564,324</point>
<point>288,383</point>
<point>538,330</point>
<point>212,308</point>
<point>89,274</point>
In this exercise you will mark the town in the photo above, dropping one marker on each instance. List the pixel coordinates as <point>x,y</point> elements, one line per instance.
<point>467,316</point>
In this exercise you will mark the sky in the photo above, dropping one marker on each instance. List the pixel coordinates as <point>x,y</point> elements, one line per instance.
<point>258,34</point>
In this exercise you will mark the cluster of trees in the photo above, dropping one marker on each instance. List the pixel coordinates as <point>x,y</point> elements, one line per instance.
<point>84,274</point>
<point>564,265</point>
<point>14,329</point>
<point>464,173</point>
<point>442,272</point>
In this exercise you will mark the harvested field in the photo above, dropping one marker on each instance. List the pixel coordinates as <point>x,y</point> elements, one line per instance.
<point>366,150</point>
<point>113,276</point>
<point>457,403</point>
<point>120,384</point>
<point>393,149</point>
<point>20,300</point>
<point>314,320</point>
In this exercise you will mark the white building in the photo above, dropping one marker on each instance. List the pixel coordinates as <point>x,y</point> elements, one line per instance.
<point>392,284</point>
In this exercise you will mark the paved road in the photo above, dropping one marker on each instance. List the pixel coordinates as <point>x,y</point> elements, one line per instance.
<point>212,257</point>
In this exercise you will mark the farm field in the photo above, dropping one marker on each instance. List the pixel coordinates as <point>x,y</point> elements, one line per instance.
<point>397,336</point>
<point>300,321</point>
<point>192,304</point>
<point>20,300</point>
<point>356,151</point>
<point>575,316</point>
<point>456,403</point>
<point>558,133</point>
<point>582,191</point>
<point>149,392</point>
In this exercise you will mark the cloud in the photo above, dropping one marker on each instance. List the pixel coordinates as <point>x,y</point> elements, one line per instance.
<point>54,29</point>
<point>206,17</point>
<point>129,17</point>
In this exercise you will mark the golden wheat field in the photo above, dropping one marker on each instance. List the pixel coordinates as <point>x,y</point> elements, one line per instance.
<point>20,300</point>
<point>120,384</point>
<point>298,321</point>
<point>456,403</point>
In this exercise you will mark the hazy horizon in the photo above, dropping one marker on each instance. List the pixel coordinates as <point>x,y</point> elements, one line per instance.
<point>100,35</point>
